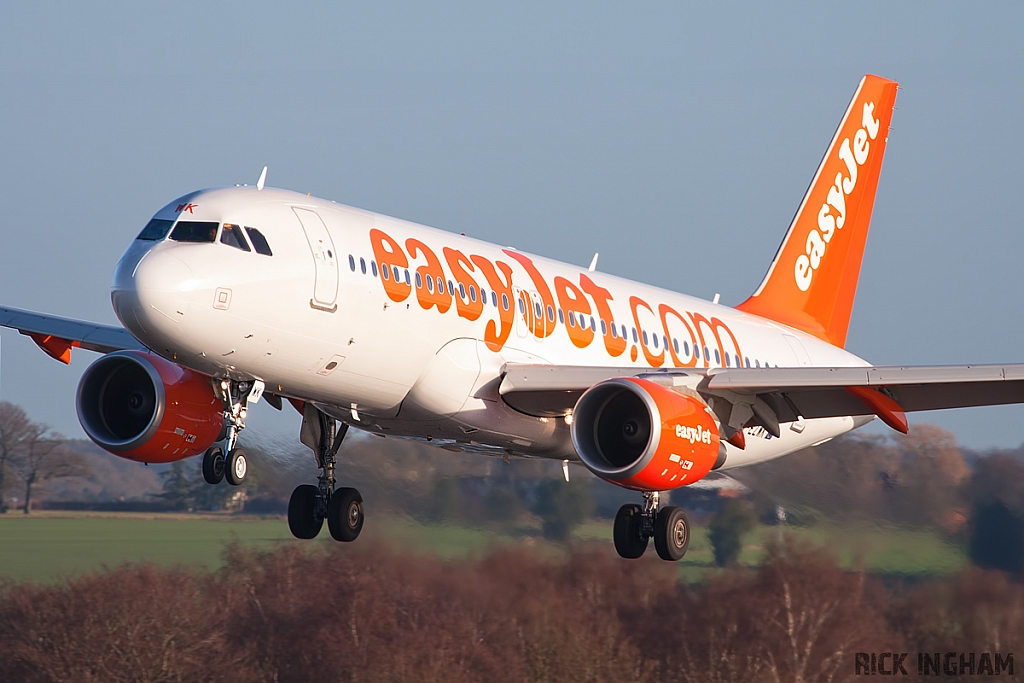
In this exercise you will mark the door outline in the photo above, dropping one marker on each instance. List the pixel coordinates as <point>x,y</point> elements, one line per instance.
<point>325,260</point>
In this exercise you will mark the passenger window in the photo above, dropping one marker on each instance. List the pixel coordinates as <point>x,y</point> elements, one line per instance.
<point>419,281</point>
<point>604,328</point>
<point>156,229</point>
<point>718,358</point>
<point>472,293</point>
<point>462,291</point>
<point>655,342</point>
<point>675,345</point>
<point>362,265</point>
<point>572,319</point>
<point>614,336</point>
<point>561,317</point>
<point>373,268</point>
<point>398,275</point>
<point>536,310</point>
<point>351,263</point>
<point>386,272</point>
<point>451,288</point>
<point>522,306</point>
<point>430,283</point>
<point>747,360</point>
<point>504,301</point>
<point>551,314</point>
<point>407,276</point>
<point>494,298</point>
<point>593,327</point>
<point>634,336</point>
<point>259,242</point>
<point>195,231</point>
<point>686,349</point>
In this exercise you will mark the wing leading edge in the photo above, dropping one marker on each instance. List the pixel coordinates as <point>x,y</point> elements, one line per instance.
<point>57,336</point>
<point>788,393</point>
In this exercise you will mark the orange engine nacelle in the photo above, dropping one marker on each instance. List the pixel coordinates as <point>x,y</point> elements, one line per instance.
<point>642,436</point>
<point>143,407</point>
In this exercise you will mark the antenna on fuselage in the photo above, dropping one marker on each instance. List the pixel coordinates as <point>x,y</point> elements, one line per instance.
<point>593,263</point>
<point>262,180</point>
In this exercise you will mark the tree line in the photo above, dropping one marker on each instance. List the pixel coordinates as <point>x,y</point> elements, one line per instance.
<point>30,455</point>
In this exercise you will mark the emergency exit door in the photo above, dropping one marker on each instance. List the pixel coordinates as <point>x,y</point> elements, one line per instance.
<point>325,260</point>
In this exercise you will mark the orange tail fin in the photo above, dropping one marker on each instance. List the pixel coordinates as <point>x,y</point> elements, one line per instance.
<point>813,279</point>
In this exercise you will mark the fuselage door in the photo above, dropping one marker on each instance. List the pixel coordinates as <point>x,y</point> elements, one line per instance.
<point>325,260</point>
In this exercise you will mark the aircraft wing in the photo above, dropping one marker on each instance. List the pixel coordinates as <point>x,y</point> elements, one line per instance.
<point>789,393</point>
<point>57,336</point>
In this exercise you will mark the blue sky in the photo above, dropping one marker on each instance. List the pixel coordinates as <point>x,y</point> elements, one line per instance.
<point>677,140</point>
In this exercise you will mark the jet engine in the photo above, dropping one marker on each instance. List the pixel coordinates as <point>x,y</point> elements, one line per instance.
<point>643,436</point>
<point>143,407</point>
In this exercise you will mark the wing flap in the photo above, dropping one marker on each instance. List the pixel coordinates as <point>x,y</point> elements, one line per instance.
<point>552,390</point>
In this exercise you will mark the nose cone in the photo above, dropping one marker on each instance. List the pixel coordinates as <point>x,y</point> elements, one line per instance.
<point>149,293</point>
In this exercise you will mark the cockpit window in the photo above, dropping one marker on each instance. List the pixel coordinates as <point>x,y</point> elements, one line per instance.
<point>194,231</point>
<point>259,243</point>
<point>156,229</point>
<point>232,236</point>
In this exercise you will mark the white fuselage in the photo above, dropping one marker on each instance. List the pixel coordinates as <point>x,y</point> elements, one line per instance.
<point>393,358</point>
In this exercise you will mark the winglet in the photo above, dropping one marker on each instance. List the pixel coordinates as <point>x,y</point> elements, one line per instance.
<point>262,180</point>
<point>812,282</point>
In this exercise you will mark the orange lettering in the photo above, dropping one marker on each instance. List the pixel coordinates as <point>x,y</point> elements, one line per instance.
<point>614,344</point>
<point>467,299</point>
<point>572,301</point>
<point>654,361</point>
<point>432,291</point>
<point>540,329</point>
<point>690,360</point>
<point>494,336</point>
<point>715,325</point>
<point>390,258</point>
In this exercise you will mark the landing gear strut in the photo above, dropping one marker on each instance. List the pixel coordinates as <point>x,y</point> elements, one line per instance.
<point>636,525</point>
<point>217,466</point>
<point>311,505</point>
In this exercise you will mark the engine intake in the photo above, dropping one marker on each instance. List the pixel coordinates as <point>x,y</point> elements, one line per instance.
<point>143,407</point>
<point>640,435</point>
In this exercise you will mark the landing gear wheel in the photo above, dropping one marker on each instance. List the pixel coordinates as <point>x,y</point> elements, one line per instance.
<point>303,520</point>
<point>345,514</point>
<point>671,533</point>
<point>236,467</point>
<point>213,465</point>
<point>630,541</point>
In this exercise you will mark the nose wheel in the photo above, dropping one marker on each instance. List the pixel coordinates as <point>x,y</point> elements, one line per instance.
<point>636,525</point>
<point>218,467</point>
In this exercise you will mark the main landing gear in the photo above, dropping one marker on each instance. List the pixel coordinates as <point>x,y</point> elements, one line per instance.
<point>233,466</point>
<point>310,505</point>
<point>636,525</point>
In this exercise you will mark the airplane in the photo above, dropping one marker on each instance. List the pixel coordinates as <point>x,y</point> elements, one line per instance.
<point>356,319</point>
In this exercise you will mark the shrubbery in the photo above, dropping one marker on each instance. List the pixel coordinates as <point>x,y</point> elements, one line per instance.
<point>366,613</point>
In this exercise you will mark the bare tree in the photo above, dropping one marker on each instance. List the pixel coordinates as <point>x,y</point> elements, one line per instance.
<point>14,426</point>
<point>45,456</point>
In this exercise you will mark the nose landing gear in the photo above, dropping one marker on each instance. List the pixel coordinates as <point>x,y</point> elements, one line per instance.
<point>636,525</point>
<point>311,505</point>
<point>234,466</point>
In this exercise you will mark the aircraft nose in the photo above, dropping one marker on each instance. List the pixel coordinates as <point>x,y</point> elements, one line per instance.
<point>149,293</point>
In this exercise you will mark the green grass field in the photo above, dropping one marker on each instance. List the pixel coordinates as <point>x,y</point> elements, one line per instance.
<point>46,546</point>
